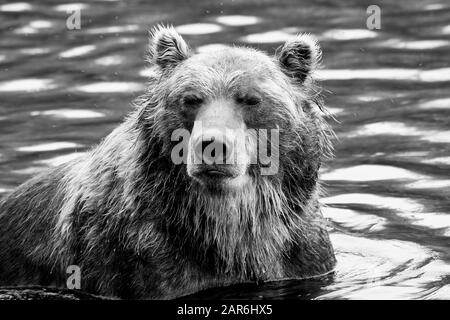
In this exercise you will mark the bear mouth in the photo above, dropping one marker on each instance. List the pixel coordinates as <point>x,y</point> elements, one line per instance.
<point>215,173</point>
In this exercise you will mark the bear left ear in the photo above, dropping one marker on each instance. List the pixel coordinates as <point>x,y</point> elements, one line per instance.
<point>167,47</point>
<point>299,57</point>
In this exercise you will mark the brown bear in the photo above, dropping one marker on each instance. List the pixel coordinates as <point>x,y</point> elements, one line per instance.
<point>142,219</point>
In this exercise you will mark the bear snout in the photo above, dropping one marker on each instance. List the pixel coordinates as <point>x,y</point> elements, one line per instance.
<point>216,156</point>
<point>214,148</point>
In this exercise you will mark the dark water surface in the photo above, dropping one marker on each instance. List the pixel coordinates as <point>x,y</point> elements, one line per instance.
<point>388,201</point>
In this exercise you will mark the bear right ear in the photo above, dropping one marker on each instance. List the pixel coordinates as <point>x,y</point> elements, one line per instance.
<point>300,57</point>
<point>167,47</point>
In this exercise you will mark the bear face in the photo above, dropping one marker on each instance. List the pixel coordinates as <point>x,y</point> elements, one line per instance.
<point>246,115</point>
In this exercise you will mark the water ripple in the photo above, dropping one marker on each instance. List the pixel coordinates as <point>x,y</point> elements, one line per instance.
<point>370,172</point>
<point>69,114</point>
<point>16,7</point>
<point>198,28</point>
<point>238,20</point>
<point>27,85</point>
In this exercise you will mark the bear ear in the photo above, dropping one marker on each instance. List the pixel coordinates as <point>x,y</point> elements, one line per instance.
<point>300,57</point>
<point>167,47</point>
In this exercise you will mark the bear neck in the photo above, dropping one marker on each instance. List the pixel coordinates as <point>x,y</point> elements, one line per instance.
<point>241,234</point>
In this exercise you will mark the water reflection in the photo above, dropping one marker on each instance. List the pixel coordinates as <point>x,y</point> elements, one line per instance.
<point>110,60</point>
<point>440,221</point>
<point>438,160</point>
<point>49,147</point>
<point>114,29</point>
<point>237,20</point>
<point>111,87</point>
<point>384,202</point>
<point>433,75</point>
<point>35,51</point>
<point>77,51</point>
<point>436,104</point>
<point>387,128</point>
<point>414,45</point>
<point>380,269</point>
<point>398,128</point>
<point>27,85</point>
<point>198,28</point>
<point>435,6</point>
<point>354,220</point>
<point>16,7</point>
<point>349,34</point>
<point>370,173</point>
<point>71,7</point>
<point>34,27</point>
<point>429,184</point>
<point>69,114</point>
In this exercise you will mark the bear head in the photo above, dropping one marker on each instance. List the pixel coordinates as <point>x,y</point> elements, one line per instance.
<point>236,117</point>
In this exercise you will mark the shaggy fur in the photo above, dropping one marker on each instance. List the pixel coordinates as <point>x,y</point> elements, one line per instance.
<point>140,227</point>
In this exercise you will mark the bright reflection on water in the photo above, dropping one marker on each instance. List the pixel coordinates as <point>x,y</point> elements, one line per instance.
<point>48,147</point>
<point>414,45</point>
<point>78,51</point>
<point>398,128</point>
<point>436,104</point>
<point>238,20</point>
<point>111,87</point>
<point>354,220</point>
<point>69,114</point>
<point>27,85</point>
<point>386,203</point>
<point>435,6</point>
<point>16,7</point>
<point>439,160</point>
<point>110,60</point>
<point>71,7</point>
<point>367,199</point>
<point>370,173</point>
<point>198,28</point>
<point>399,269</point>
<point>34,51</point>
<point>349,34</point>
<point>433,75</point>
<point>115,29</point>
<point>34,27</point>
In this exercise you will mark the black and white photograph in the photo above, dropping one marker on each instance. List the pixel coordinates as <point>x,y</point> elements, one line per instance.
<point>224,150</point>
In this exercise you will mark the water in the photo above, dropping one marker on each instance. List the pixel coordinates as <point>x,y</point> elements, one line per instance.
<point>388,188</point>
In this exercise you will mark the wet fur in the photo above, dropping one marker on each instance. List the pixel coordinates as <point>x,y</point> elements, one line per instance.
<point>139,227</point>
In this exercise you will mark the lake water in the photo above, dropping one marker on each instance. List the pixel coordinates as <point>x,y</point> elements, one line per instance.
<point>388,187</point>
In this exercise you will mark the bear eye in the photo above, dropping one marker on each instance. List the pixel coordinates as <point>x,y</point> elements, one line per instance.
<point>249,100</point>
<point>192,100</point>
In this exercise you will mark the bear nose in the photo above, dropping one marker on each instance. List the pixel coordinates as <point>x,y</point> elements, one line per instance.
<point>213,150</point>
